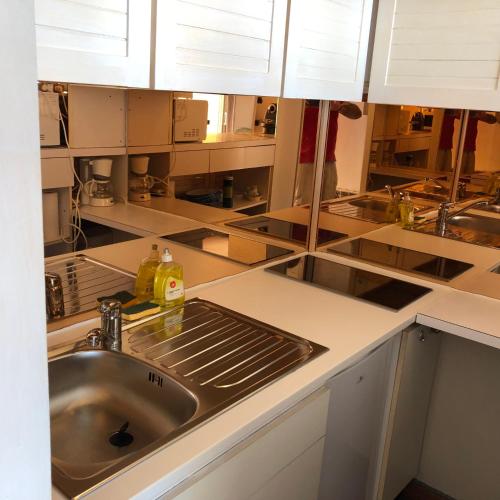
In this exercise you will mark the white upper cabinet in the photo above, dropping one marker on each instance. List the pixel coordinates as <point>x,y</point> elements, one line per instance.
<point>104,42</point>
<point>220,46</point>
<point>437,53</point>
<point>327,49</point>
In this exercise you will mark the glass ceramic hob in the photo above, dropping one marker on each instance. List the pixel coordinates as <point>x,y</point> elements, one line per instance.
<point>433,266</point>
<point>243,250</point>
<point>290,231</point>
<point>358,283</point>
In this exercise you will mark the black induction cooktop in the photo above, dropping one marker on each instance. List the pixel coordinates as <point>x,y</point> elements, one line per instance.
<point>290,231</point>
<point>365,285</point>
<point>243,250</point>
<point>433,266</point>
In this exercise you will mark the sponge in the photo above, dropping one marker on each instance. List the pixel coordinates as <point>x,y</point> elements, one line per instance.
<point>138,311</point>
<point>123,296</point>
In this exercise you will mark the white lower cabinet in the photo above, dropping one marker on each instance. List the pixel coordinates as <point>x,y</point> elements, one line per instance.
<point>280,461</point>
<point>357,420</point>
<point>410,404</point>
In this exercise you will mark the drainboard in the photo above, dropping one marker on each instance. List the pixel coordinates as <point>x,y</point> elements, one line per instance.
<point>83,281</point>
<point>212,346</point>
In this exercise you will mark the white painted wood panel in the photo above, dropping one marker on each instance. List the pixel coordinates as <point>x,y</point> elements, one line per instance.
<point>149,118</point>
<point>259,156</point>
<point>57,173</point>
<point>356,423</point>
<point>297,481</point>
<point>227,159</point>
<point>412,395</point>
<point>249,466</point>
<point>189,162</point>
<point>220,46</point>
<point>96,117</point>
<point>443,54</point>
<point>24,418</point>
<point>327,49</point>
<point>94,42</point>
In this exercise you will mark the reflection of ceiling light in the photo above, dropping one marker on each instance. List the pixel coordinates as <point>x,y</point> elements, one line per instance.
<point>216,244</point>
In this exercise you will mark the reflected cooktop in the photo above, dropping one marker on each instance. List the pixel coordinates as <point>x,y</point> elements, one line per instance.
<point>283,229</point>
<point>233,247</point>
<point>370,287</point>
<point>440,268</point>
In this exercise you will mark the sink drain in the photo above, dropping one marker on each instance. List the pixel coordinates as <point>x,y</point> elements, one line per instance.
<point>121,437</point>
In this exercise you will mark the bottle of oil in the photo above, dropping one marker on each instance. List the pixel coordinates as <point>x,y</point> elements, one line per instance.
<point>168,282</point>
<point>144,283</point>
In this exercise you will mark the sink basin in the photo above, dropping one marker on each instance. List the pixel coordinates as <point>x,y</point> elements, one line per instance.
<point>476,223</point>
<point>370,204</point>
<point>469,228</point>
<point>110,409</point>
<point>490,208</point>
<point>94,394</point>
<point>365,208</point>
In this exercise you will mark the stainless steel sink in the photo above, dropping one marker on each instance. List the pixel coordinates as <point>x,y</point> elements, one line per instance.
<point>99,401</point>
<point>365,208</point>
<point>111,409</point>
<point>470,228</point>
<point>490,208</point>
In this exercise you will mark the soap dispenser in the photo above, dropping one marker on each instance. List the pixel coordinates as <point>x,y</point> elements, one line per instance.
<point>168,282</point>
<point>144,282</point>
<point>407,211</point>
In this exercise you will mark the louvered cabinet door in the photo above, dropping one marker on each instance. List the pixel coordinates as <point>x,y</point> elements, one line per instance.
<point>220,46</point>
<point>442,53</point>
<point>327,49</point>
<point>104,42</point>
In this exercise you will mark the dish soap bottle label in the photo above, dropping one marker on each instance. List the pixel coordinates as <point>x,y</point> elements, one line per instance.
<point>174,289</point>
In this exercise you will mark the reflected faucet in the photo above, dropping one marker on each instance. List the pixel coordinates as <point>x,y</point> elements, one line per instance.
<point>109,336</point>
<point>444,215</point>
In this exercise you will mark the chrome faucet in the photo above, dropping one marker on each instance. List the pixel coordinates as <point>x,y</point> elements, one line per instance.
<point>54,297</point>
<point>109,336</point>
<point>444,215</point>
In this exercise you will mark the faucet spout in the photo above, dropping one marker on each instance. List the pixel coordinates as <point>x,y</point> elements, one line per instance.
<point>109,336</point>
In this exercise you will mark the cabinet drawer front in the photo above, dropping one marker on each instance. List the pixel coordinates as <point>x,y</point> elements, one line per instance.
<point>245,469</point>
<point>259,156</point>
<point>222,160</point>
<point>189,162</point>
<point>414,144</point>
<point>57,173</point>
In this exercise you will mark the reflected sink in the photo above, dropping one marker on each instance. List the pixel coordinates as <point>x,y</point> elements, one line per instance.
<point>370,204</point>
<point>490,208</point>
<point>365,208</point>
<point>476,229</point>
<point>106,407</point>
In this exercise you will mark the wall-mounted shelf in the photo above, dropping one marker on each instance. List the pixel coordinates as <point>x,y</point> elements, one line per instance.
<point>54,152</point>
<point>144,150</point>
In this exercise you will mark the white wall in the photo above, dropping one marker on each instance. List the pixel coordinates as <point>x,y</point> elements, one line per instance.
<point>461,451</point>
<point>24,414</point>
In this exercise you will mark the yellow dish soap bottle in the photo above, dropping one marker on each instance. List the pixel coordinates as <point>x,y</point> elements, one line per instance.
<point>407,211</point>
<point>168,283</point>
<point>144,283</point>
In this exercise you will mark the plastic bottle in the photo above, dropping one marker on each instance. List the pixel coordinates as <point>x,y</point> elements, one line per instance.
<point>144,283</point>
<point>407,211</point>
<point>168,282</point>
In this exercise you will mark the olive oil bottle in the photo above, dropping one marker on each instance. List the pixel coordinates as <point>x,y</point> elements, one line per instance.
<point>144,283</point>
<point>168,283</point>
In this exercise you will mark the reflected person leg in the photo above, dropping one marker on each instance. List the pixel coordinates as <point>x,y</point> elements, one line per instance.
<point>303,184</point>
<point>330,180</point>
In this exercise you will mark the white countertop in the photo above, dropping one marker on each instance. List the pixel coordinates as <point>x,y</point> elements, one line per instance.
<point>350,328</point>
